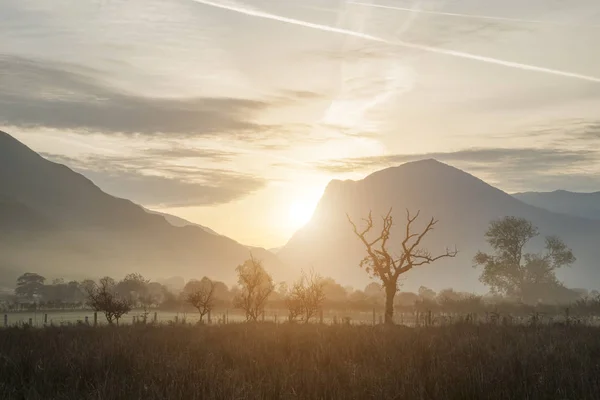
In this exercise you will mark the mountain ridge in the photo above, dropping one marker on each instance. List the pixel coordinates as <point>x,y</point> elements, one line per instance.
<point>93,233</point>
<point>464,206</point>
<point>585,205</point>
<point>180,222</point>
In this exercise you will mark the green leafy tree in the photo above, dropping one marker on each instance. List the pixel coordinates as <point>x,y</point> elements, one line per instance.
<point>30,285</point>
<point>510,271</point>
<point>133,286</point>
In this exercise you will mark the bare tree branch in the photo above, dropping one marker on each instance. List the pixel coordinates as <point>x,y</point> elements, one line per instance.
<point>379,262</point>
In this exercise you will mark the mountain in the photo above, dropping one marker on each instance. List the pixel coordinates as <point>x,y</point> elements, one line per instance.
<point>464,206</point>
<point>180,222</point>
<point>275,250</point>
<point>586,205</point>
<point>58,223</point>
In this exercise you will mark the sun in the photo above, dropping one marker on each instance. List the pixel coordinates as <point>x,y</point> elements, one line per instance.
<point>300,212</point>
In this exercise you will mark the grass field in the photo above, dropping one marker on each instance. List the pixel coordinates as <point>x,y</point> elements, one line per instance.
<point>65,317</point>
<point>268,361</point>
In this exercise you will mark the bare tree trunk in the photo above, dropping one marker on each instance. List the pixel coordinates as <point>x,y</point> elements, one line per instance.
<point>390,293</point>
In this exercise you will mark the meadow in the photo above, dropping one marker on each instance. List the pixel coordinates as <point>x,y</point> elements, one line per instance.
<point>297,361</point>
<point>218,316</point>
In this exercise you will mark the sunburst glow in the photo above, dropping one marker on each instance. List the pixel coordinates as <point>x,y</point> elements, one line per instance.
<point>300,212</point>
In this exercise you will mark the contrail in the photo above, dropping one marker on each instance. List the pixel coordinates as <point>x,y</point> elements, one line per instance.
<point>262,14</point>
<point>399,43</point>
<point>474,16</point>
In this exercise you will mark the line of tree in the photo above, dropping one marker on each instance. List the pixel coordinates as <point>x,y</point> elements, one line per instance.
<point>511,273</point>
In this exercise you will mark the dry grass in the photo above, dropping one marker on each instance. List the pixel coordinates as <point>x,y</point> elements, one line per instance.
<point>268,361</point>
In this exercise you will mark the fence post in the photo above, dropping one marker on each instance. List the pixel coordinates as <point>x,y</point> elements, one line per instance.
<point>5,320</point>
<point>209,318</point>
<point>87,322</point>
<point>373,316</point>
<point>45,319</point>
<point>275,317</point>
<point>227,316</point>
<point>95,318</point>
<point>30,321</point>
<point>155,317</point>
<point>321,316</point>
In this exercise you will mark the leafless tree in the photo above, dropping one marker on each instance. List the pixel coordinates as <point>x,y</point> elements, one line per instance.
<point>256,285</point>
<point>147,301</point>
<point>200,294</point>
<point>103,297</point>
<point>306,297</point>
<point>383,264</point>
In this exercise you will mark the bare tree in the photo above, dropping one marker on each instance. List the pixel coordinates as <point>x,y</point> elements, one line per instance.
<point>256,285</point>
<point>306,297</point>
<point>200,294</point>
<point>146,302</point>
<point>103,297</point>
<point>386,266</point>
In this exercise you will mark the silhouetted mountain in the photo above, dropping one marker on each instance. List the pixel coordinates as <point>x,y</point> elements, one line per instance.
<point>56,222</point>
<point>585,205</point>
<point>464,206</point>
<point>17,217</point>
<point>180,222</point>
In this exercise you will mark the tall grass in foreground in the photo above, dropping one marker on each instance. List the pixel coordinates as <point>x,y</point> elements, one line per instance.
<point>268,361</point>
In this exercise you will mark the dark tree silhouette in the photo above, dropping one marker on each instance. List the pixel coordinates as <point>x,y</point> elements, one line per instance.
<point>29,285</point>
<point>103,297</point>
<point>525,276</point>
<point>382,264</point>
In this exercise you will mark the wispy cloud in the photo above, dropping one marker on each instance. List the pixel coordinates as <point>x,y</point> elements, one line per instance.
<point>35,94</point>
<point>163,184</point>
<point>530,156</point>
<point>415,46</point>
<point>569,133</point>
<point>64,96</point>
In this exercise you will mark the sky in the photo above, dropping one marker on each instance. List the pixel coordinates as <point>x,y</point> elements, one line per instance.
<point>236,114</point>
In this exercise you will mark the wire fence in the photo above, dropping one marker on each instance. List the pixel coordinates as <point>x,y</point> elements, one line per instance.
<point>227,316</point>
<point>72,317</point>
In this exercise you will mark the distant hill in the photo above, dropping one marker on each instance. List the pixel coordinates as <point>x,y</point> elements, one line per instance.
<point>585,205</point>
<point>180,222</point>
<point>56,222</point>
<point>464,206</point>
